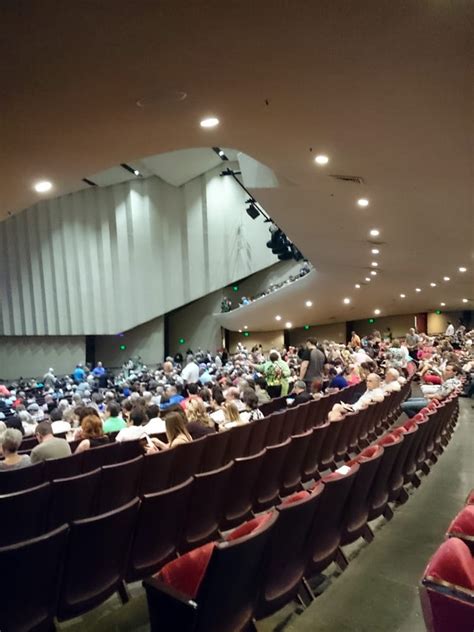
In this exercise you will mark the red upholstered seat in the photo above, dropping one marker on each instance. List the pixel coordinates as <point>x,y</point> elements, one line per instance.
<point>249,527</point>
<point>452,563</point>
<point>185,573</point>
<point>294,498</point>
<point>463,523</point>
<point>432,379</point>
<point>390,438</point>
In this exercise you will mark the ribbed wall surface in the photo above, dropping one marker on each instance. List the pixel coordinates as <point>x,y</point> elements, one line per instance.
<point>101,261</point>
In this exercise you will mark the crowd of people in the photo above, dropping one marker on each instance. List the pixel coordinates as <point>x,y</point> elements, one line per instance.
<point>227,305</point>
<point>185,399</point>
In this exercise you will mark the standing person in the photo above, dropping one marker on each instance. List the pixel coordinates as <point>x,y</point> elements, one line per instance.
<point>449,329</point>
<point>49,379</point>
<point>312,363</point>
<point>190,373</point>
<point>355,340</point>
<point>79,374</point>
<point>276,373</point>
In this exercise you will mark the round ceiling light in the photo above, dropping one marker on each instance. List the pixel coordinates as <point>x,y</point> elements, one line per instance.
<point>462,269</point>
<point>417,289</point>
<point>442,304</point>
<point>433,284</point>
<point>446,279</point>
<point>43,186</point>
<point>363,202</point>
<point>368,279</point>
<point>374,264</point>
<point>375,251</point>
<point>373,272</point>
<point>357,285</point>
<point>321,159</point>
<point>465,300</point>
<point>374,232</point>
<point>278,317</point>
<point>209,122</point>
<point>346,301</point>
<point>288,325</point>
<point>309,303</point>
<point>376,312</point>
<point>402,295</point>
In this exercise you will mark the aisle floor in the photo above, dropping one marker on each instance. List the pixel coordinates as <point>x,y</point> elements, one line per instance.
<point>378,592</point>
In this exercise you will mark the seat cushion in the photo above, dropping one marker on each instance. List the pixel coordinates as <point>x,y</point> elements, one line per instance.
<point>390,438</point>
<point>463,522</point>
<point>185,574</point>
<point>249,527</point>
<point>294,498</point>
<point>371,452</point>
<point>452,563</point>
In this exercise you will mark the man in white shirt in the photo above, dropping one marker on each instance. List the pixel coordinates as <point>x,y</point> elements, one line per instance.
<point>135,426</point>
<point>449,329</point>
<point>391,383</point>
<point>374,392</point>
<point>190,373</point>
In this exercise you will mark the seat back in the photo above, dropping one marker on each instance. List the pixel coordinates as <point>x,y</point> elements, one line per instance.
<point>102,455</point>
<point>64,467</point>
<point>258,436</point>
<point>239,438</point>
<point>267,488</point>
<point>23,514</point>
<point>205,507</point>
<point>23,478</point>
<point>287,551</point>
<point>29,594</point>
<point>293,467</point>
<point>242,559</point>
<point>397,477</point>
<point>238,498</point>
<point>328,449</point>
<point>158,531</point>
<point>129,450</point>
<point>311,460</point>
<point>380,490</point>
<point>275,428</point>
<point>73,498</point>
<point>119,484</point>
<point>327,528</point>
<point>187,461</point>
<point>156,471</point>
<point>215,451</point>
<point>289,423</point>
<point>95,559</point>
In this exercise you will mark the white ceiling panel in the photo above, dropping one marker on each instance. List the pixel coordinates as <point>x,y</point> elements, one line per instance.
<point>178,167</point>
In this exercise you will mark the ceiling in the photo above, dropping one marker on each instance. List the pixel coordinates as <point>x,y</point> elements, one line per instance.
<point>383,88</point>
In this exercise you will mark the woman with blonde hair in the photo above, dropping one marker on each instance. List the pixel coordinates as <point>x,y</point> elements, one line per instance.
<point>232,416</point>
<point>199,422</point>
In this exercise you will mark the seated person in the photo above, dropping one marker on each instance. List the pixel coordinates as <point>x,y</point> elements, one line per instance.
<point>374,392</point>
<point>261,390</point>
<point>134,430</point>
<point>451,382</point>
<point>199,422</point>
<point>336,380</point>
<point>176,433</point>
<point>58,425</point>
<point>50,447</point>
<point>391,383</point>
<point>232,394</point>
<point>92,433</point>
<point>251,411</point>
<point>156,425</point>
<point>113,421</point>
<point>231,416</point>
<point>299,394</point>
<point>10,441</point>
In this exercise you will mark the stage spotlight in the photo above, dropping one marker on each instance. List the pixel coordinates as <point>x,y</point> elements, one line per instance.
<point>252,210</point>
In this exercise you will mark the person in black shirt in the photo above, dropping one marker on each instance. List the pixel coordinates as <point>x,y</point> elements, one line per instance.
<point>299,394</point>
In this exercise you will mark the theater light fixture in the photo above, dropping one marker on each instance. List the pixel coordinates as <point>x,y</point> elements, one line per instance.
<point>240,331</point>
<point>288,325</point>
<point>357,286</point>
<point>252,209</point>
<point>346,301</point>
<point>443,304</point>
<point>375,251</point>
<point>446,279</point>
<point>220,152</point>
<point>130,169</point>
<point>363,202</point>
<point>209,122</point>
<point>368,279</point>
<point>417,289</point>
<point>462,269</point>
<point>309,303</point>
<point>402,295</point>
<point>43,186</point>
<point>374,232</point>
<point>321,159</point>
<point>278,317</point>
<point>376,312</point>
<point>373,272</point>
<point>465,300</point>
<point>374,264</point>
<point>246,326</point>
<point>433,284</point>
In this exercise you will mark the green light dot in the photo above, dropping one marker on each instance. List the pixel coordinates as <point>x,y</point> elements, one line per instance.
<point>182,341</point>
<point>123,347</point>
<point>438,311</point>
<point>235,288</point>
<point>306,327</point>
<point>371,321</point>
<point>246,334</point>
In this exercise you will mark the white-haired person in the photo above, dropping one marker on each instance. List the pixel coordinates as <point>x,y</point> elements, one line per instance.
<point>391,383</point>
<point>374,392</point>
<point>10,441</point>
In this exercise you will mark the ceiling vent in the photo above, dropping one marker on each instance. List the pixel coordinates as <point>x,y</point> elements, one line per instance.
<point>354,179</point>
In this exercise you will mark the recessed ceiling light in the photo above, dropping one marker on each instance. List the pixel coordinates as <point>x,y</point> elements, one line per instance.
<point>246,326</point>
<point>43,186</point>
<point>433,284</point>
<point>346,301</point>
<point>402,295</point>
<point>373,272</point>
<point>462,269</point>
<point>240,331</point>
<point>442,304</point>
<point>465,300</point>
<point>309,303</point>
<point>288,325</point>
<point>446,279</point>
<point>212,121</point>
<point>357,285</point>
<point>368,279</point>
<point>374,232</point>
<point>321,159</point>
<point>363,202</point>
<point>374,264</point>
<point>417,289</point>
<point>376,312</point>
<point>375,251</point>
<point>277,317</point>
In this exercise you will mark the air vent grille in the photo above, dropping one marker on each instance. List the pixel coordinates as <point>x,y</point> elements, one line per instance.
<point>354,179</point>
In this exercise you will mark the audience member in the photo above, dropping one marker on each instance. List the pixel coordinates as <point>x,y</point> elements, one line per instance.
<point>10,441</point>
<point>92,433</point>
<point>50,447</point>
